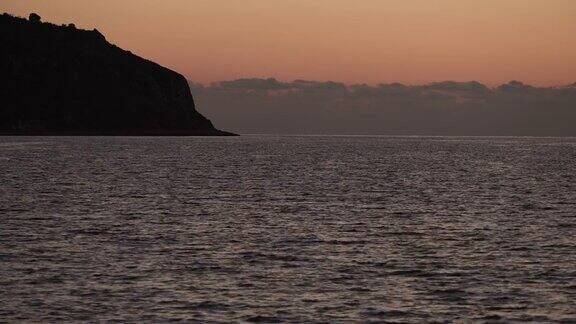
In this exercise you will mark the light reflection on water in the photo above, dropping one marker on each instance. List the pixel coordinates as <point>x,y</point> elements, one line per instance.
<point>268,228</point>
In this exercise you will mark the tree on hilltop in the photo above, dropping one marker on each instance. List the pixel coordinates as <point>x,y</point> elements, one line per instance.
<point>35,18</point>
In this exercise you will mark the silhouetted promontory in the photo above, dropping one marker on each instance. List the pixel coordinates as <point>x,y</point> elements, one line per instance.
<point>60,80</point>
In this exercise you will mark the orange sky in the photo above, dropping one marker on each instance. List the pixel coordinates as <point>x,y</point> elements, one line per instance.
<point>355,41</point>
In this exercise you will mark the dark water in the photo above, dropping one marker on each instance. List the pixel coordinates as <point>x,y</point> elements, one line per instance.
<point>297,229</point>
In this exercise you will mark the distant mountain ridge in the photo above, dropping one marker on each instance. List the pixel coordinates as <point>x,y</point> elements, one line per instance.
<point>60,80</point>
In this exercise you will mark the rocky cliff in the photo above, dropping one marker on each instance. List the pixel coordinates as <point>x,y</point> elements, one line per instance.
<point>63,80</point>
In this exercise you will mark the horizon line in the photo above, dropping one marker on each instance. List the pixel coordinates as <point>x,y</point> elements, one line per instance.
<point>490,85</point>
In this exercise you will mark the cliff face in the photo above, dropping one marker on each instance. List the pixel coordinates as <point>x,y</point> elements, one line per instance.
<point>62,80</point>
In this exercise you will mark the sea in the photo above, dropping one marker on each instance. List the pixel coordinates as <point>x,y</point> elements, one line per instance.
<point>301,229</point>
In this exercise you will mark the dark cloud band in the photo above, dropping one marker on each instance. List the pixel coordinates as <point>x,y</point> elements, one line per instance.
<point>442,108</point>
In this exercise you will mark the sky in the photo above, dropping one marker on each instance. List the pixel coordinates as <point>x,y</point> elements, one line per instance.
<point>350,41</point>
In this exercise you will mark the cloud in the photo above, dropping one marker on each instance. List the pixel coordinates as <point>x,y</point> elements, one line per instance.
<point>516,87</point>
<point>441,108</point>
<point>253,84</point>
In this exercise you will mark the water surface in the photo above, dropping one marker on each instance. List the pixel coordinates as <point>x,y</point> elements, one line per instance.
<point>301,229</point>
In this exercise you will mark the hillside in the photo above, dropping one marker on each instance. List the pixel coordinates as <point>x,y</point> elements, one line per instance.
<point>60,80</point>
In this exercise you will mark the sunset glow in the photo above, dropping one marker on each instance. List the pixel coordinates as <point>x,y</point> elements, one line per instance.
<point>368,41</point>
